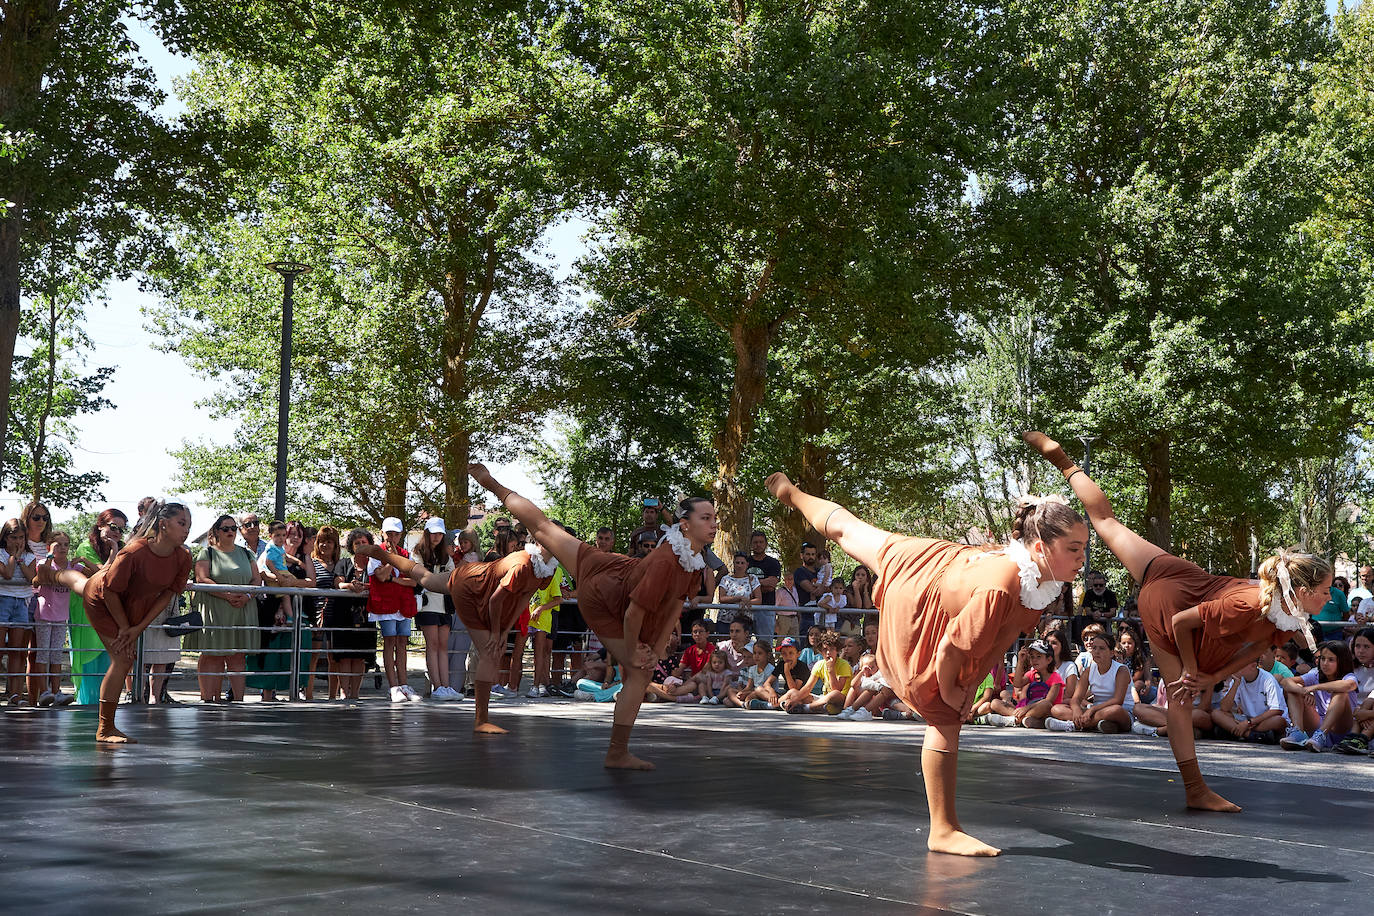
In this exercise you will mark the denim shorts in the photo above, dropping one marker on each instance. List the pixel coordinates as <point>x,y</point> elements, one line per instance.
<point>14,611</point>
<point>394,627</point>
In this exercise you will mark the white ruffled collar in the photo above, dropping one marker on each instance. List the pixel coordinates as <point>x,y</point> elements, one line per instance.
<point>542,570</point>
<point>1289,622</point>
<point>1035,594</point>
<point>689,560</point>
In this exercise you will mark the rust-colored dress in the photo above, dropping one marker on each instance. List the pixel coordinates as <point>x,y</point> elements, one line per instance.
<point>137,576</point>
<point>509,581</point>
<point>1231,616</point>
<point>928,589</point>
<point>608,582</point>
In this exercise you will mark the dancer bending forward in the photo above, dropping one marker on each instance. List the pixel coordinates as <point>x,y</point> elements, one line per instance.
<point>127,593</point>
<point>489,598</point>
<point>947,613</point>
<point>632,605</point>
<point>1202,628</point>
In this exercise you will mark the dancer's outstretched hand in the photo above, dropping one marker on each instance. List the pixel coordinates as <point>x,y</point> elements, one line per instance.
<point>478,472</point>
<point>778,483</point>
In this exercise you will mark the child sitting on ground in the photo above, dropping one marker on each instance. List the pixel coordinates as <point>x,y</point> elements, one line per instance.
<point>991,688</point>
<point>790,674</point>
<point>869,693</point>
<point>601,680</point>
<point>1320,701</point>
<point>713,680</point>
<point>1102,701</point>
<point>753,681</point>
<point>1357,742</point>
<point>832,672</point>
<point>1038,687</point>
<point>1252,708</point>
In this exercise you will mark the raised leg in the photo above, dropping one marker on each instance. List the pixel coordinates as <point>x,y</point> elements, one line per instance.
<point>857,538</point>
<point>1134,552</point>
<point>939,767</point>
<point>561,544</point>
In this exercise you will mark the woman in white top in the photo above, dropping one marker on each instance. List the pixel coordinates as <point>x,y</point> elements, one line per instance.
<point>436,616</point>
<point>1102,700</point>
<point>740,588</point>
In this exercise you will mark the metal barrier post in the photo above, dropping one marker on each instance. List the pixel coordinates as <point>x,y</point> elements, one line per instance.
<point>140,682</point>
<point>296,603</point>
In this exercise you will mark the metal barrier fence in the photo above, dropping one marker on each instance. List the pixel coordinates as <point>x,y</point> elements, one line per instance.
<point>298,628</point>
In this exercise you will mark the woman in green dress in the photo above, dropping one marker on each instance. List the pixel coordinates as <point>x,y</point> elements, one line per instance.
<point>90,661</point>
<point>231,618</point>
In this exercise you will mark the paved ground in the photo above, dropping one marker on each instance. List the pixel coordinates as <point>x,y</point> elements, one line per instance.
<point>377,808</point>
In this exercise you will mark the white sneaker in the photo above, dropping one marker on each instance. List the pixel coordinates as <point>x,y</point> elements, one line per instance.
<point>411,695</point>
<point>582,695</point>
<point>398,695</point>
<point>715,701</point>
<point>1000,721</point>
<point>543,691</point>
<point>533,692</point>
<point>1140,728</point>
<point>861,715</point>
<point>846,714</point>
<point>704,701</point>
<point>45,698</point>
<point>1058,725</point>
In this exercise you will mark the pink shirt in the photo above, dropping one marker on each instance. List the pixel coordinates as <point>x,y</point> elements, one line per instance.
<point>53,601</point>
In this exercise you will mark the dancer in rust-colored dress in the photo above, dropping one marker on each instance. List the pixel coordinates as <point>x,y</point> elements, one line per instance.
<point>126,594</point>
<point>946,613</point>
<point>632,605</point>
<point>489,598</point>
<point>1202,628</point>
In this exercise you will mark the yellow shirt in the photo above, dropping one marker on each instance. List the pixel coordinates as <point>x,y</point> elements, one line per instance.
<point>843,672</point>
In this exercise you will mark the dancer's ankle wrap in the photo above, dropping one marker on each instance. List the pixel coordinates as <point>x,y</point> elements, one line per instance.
<point>107,710</point>
<point>1192,776</point>
<point>1070,471</point>
<point>481,698</point>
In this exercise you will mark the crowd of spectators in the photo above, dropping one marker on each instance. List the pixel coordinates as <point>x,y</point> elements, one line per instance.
<point>758,636</point>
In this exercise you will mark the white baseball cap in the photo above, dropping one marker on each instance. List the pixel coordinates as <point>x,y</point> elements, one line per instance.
<point>392,524</point>
<point>435,525</point>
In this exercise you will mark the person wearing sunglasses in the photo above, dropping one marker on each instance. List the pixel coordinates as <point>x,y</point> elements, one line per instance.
<point>37,523</point>
<point>229,616</point>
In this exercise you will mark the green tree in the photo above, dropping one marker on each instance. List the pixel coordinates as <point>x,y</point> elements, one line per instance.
<point>417,155</point>
<point>782,162</point>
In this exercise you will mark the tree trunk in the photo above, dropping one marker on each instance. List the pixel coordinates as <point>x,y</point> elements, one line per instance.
<point>751,344</point>
<point>455,440</point>
<point>1159,488</point>
<point>9,318</point>
<point>811,471</point>
<point>40,439</point>
<point>1240,548</point>
<point>395,497</point>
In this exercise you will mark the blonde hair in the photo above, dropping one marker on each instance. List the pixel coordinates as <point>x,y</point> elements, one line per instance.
<point>1047,518</point>
<point>1304,570</point>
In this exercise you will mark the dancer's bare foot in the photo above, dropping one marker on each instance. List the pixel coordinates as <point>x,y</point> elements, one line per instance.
<point>1051,450</point>
<point>112,735</point>
<point>486,728</point>
<point>781,487</point>
<point>958,843</point>
<point>1205,799</point>
<point>626,761</point>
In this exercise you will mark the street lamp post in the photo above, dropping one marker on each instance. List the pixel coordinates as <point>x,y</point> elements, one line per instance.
<point>289,270</point>
<point>1088,469</point>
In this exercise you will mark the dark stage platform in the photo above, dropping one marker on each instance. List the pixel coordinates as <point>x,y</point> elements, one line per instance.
<point>378,809</point>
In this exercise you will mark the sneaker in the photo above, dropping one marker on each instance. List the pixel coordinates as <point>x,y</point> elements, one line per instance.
<point>543,691</point>
<point>411,695</point>
<point>1354,744</point>
<point>1268,736</point>
<point>64,699</point>
<point>1294,740</point>
<point>582,695</point>
<point>715,701</point>
<point>846,714</point>
<point>704,701</point>
<point>1058,725</point>
<point>1148,731</point>
<point>533,692</point>
<point>1108,728</point>
<point>979,720</point>
<point>1000,721</point>
<point>45,699</point>
<point>1319,742</point>
<point>758,704</point>
<point>398,695</point>
<point>893,715</point>
<point>861,715</point>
